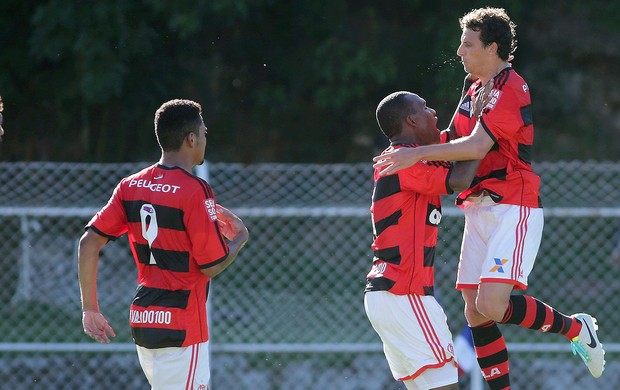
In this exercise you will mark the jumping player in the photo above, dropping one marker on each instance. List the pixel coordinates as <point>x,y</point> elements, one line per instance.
<point>503,212</point>
<point>406,212</point>
<point>178,237</point>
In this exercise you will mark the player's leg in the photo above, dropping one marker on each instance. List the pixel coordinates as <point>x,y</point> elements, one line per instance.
<point>489,344</point>
<point>512,251</point>
<point>415,336</point>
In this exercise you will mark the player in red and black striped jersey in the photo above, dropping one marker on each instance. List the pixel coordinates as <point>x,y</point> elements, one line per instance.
<point>503,214</point>
<point>180,239</point>
<point>406,211</point>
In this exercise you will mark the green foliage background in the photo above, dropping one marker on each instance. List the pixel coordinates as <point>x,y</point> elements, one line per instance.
<point>286,81</point>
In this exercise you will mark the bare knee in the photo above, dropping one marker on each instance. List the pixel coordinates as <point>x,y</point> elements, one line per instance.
<point>473,316</point>
<point>492,307</point>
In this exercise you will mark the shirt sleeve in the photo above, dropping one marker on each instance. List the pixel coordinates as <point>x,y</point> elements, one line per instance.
<point>111,220</point>
<point>208,246</point>
<point>427,177</point>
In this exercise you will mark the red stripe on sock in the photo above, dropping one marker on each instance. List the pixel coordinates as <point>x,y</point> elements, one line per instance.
<point>491,348</point>
<point>530,312</point>
<point>574,330</point>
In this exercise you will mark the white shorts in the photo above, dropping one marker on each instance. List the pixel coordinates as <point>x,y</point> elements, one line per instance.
<point>500,243</point>
<point>415,335</point>
<point>176,368</point>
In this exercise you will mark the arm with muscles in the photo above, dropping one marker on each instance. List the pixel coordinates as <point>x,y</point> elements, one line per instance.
<point>232,229</point>
<point>463,174</point>
<point>94,323</point>
<point>473,147</point>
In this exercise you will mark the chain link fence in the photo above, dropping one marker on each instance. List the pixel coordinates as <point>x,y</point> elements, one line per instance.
<point>288,314</point>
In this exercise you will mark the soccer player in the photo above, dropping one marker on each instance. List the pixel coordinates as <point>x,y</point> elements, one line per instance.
<point>406,211</point>
<point>503,212</point>
<point>180,239</point>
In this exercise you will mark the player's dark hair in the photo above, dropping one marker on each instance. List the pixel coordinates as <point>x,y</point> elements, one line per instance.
<point>392,111</point>
<point>494,26</point>
<point>174,120</point>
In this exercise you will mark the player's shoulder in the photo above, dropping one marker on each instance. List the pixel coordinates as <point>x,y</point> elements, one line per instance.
<point>515,82</point>
<point>137,175</point>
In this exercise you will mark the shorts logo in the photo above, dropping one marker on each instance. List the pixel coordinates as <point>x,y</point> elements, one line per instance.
<point>498,265</point>
<point>210,206</point>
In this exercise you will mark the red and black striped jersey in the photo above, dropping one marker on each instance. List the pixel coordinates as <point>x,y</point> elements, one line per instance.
<point>405,212</point>
<point>169,217</point>
<point>506,171</point>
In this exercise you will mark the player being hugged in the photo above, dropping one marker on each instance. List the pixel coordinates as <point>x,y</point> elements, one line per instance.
<point>406,211</point>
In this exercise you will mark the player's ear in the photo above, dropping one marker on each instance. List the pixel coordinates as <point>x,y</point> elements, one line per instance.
<point>411,120</point>
<point>190,138</point>
<point>492,47</point>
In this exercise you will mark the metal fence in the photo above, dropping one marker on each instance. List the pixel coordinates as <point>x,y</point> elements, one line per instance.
<point>288,314</point>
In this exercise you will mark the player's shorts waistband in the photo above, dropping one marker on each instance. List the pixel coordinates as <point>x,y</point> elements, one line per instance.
<point>479,197</point>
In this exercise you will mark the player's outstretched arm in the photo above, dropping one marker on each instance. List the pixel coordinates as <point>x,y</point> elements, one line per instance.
<point>94,323</point>
<point>473,147</point>
<point>234,230</point>
<point>397,159</point>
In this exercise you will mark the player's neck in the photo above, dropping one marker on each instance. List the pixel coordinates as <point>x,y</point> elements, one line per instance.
<point>409,140</point>
<point>176,159</point>
<point>493,71</point>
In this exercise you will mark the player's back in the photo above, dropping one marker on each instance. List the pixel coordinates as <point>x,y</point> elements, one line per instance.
<point>157,201</point>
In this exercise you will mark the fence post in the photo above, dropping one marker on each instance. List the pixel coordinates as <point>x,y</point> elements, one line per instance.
<point>23,290</point>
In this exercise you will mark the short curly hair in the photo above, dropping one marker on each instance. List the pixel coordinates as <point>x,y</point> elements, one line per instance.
<point>494,25</point>
<point>174,120</point>
<point>392,111</point>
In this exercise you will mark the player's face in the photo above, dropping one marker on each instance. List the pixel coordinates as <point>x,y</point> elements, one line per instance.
<point>201,145</point>
<point>426,122</point>
<point>474,55</point>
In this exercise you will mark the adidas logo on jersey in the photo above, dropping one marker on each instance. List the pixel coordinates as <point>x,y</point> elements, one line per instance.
<point>465,106</point>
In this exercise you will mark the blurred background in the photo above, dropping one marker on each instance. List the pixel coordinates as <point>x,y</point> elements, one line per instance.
<point>286,81</point>
<point>289,91</point>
